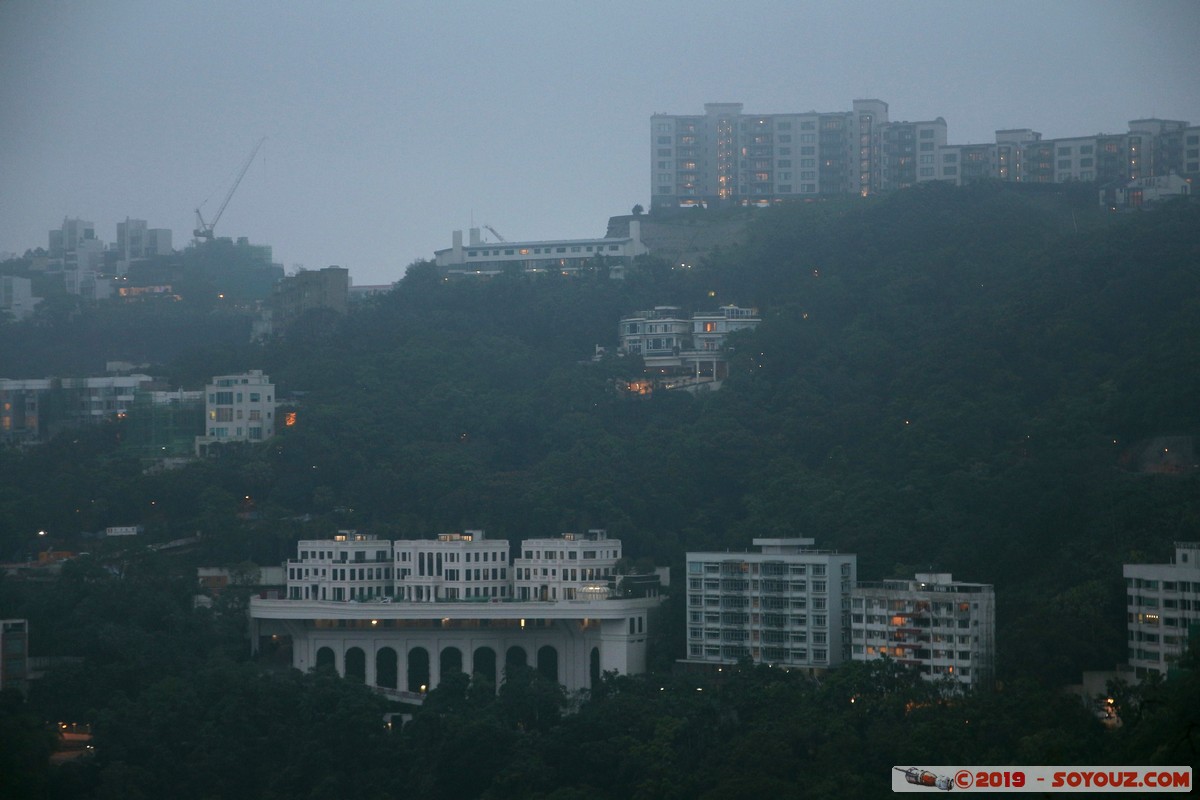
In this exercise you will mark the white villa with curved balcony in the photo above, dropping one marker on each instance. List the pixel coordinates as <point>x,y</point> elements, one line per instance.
<point>402,615</point>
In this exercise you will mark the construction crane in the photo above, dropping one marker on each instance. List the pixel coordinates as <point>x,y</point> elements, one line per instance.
<point>204,230</point>
<point>494,233</point>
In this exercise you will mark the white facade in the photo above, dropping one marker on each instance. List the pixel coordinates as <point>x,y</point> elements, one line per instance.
<point>455,566</point>
<point>571,567</point>
<point>661,331</point>
<point>238,408</point>
<point>685,350</point>
<point>351,566</point>
<point>348,607</point>
<point>568,256</point>
<point>945,629</point>
<point>1162,601</point>
<point>711,328</point>
<point>788,605</point>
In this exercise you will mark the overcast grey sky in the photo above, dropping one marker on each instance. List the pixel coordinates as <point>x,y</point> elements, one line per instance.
<point>391,124</point>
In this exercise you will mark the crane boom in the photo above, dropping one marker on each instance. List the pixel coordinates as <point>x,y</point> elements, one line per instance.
<point>495,233</point>
<point>204,230</point>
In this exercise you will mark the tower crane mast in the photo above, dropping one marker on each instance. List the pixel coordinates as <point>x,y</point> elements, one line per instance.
<point>204,230</point>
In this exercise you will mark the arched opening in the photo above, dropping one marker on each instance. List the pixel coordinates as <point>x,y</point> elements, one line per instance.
<point>515,657</point>
<point>326,659</point>
<point>485,663</point>
<point>450,662</point>
<point>356,665</point>
<point>594,667</point>
<point>418,669</point>
<point>547,663</point>
<point>385,668</point>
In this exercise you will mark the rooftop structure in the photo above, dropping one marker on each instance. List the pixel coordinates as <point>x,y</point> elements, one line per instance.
<point>566,257</point>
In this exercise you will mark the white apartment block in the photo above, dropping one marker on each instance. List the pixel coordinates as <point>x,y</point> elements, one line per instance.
<point>728,157</point>
<point>570,567</point>
<point>238,408</point>
<point>787,605</point>
<point>1162,602</point>
<point>945,629</point>
<point>402,615</point>
<point>910,152</point>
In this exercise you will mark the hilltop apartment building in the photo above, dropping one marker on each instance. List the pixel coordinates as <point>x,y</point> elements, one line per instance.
<point>728,157</point>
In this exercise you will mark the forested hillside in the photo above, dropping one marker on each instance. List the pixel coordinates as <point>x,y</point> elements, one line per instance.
<point>948,378</point>
<point>945,378</point>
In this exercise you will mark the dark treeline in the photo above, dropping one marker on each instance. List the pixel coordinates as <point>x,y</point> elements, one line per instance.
<point>956,379</point>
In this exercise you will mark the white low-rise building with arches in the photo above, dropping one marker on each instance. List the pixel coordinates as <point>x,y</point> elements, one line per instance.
<point>407,646</point>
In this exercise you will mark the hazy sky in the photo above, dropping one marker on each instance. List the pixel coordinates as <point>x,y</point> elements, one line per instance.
<point>391,124</point>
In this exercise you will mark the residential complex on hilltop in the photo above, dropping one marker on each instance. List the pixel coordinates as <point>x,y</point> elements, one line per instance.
<point>401,615</point>
<point>727,157</point>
